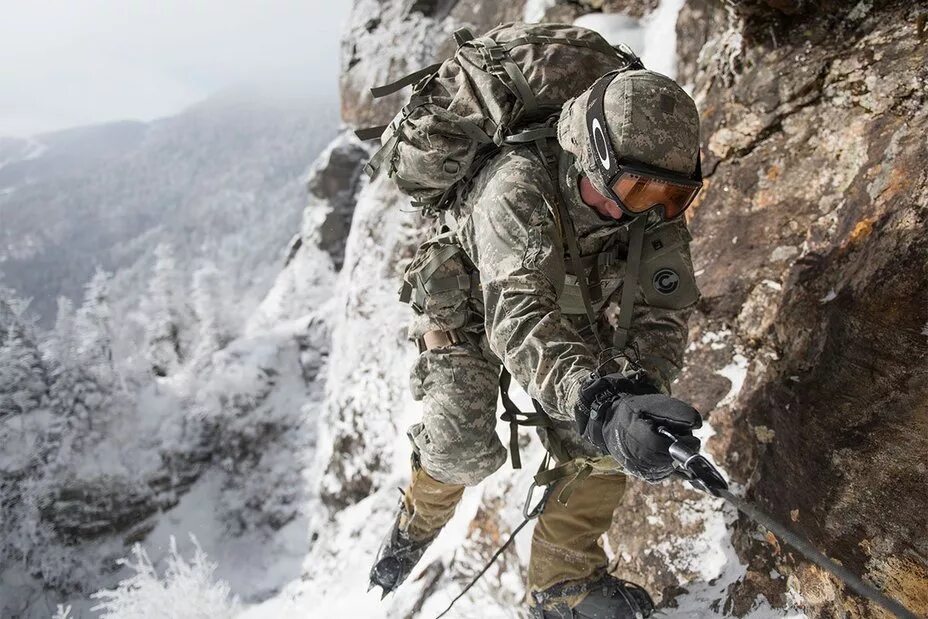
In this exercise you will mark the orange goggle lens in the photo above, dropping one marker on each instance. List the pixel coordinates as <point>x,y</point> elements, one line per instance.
<point>640,193</point>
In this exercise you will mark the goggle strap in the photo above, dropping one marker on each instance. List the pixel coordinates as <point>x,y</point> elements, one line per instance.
<point>600,142</point>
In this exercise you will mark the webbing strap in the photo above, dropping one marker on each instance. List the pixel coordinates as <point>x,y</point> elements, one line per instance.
<point>575,471</point>
<point>497,57</point>
<point>577,267</point>
<point>406,80</point>
<point>376,162</point>
<point>444,284</point>
<point>517,417</point>
<point>630,284</point>
<point>531,135</point>
<point>370,133</point>
<point>443,255</point>
<point>550,476</point>
<point>462,36</point>
<point>522,88</point>
<point>511,409</point>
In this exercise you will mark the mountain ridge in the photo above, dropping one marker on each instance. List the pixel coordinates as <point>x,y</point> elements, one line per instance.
<point>97,196</point>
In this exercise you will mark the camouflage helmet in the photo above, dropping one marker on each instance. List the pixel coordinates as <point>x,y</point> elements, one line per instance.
<point>649,118</point>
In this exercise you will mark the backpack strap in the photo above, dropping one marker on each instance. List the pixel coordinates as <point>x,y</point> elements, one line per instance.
<point>463,36</point>
<point>535,39</point>
<point>407,80</point>
<point>531,135</point>
<point>370,133</point>
<point>636,231</point>
<point>576,266</point>
<point>501,64</point>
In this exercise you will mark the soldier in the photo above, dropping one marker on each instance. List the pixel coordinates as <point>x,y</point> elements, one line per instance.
<point>543,240</point>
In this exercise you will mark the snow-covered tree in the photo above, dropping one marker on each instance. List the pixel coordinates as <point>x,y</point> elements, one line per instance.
<point>59,343</point>
<point>213,332</point>
<point>93,326</point>
<point>164,315</point>
<point>23,376</point>
<point>189,588</point>
<point>85,385</point>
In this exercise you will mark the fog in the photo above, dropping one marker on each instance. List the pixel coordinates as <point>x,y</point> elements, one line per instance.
<point>69,63</point>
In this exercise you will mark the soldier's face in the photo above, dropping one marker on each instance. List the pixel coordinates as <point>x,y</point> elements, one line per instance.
<point>606,207</point>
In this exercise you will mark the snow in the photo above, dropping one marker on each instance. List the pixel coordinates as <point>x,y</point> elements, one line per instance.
<point>534,11</point>
<point>735,372</point>
<point>653,38</point>
<point>702,600</point>
<point>716,340</point>
<point>28,150</point>
<point>187,589</point>
<point>304,415</point>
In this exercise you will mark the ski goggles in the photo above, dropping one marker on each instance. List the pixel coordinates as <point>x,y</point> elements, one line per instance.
<point>635,187</point>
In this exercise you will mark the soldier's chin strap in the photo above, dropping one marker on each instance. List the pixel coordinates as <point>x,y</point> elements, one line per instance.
<point>702,475</point>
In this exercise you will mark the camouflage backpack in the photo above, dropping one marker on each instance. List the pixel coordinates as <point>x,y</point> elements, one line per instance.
<point>491,92</point>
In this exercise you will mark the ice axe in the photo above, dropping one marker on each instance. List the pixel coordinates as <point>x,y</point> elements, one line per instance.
<point>702,475</point>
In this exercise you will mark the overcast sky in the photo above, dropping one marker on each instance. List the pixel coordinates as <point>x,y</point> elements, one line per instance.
<point>73,62</point>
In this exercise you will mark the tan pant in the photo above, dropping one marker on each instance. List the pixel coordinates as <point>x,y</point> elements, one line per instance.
<point>565,543</point>
<point>428,504</point>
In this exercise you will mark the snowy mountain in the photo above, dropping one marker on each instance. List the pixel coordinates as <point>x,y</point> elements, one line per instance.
<point>221,181</point>
<point>279,446</point>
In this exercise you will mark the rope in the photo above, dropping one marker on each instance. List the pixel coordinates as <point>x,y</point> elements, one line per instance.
<point>812,553</point>
<point>531,515</point>
<point>486,567</point>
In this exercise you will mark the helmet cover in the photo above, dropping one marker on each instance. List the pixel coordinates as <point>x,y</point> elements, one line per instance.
<point>649,119</point>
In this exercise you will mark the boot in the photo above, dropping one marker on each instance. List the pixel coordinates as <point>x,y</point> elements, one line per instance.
<point>607,598</point>
<point>427,506</point>
<point>398,554</point>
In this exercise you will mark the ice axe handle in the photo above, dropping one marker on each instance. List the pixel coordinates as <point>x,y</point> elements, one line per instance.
<point>693,466</point>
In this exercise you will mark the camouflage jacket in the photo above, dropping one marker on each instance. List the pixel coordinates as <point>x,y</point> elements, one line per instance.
<point>532,315</point>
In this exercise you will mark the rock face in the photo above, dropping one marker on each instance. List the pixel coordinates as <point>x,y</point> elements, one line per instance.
<point>332,186</point>
<point>813,263</point>
<point>386,39</point>
<point>808,350</point>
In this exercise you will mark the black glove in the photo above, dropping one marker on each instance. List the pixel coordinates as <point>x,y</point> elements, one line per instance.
<point>621,417</point>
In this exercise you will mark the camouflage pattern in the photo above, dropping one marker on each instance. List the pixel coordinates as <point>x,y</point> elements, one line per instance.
<point>650,119</point>
<point>469,102</point>
<point>525,315</point>
<point>507,231</point>
<point>456,441</point>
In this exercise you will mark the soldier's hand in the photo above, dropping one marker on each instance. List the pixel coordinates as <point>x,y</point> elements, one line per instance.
<point>621,417</point>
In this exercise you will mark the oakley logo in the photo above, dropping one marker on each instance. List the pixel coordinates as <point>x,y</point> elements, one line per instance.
<point>599,143</point>
<point>666,281</point>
